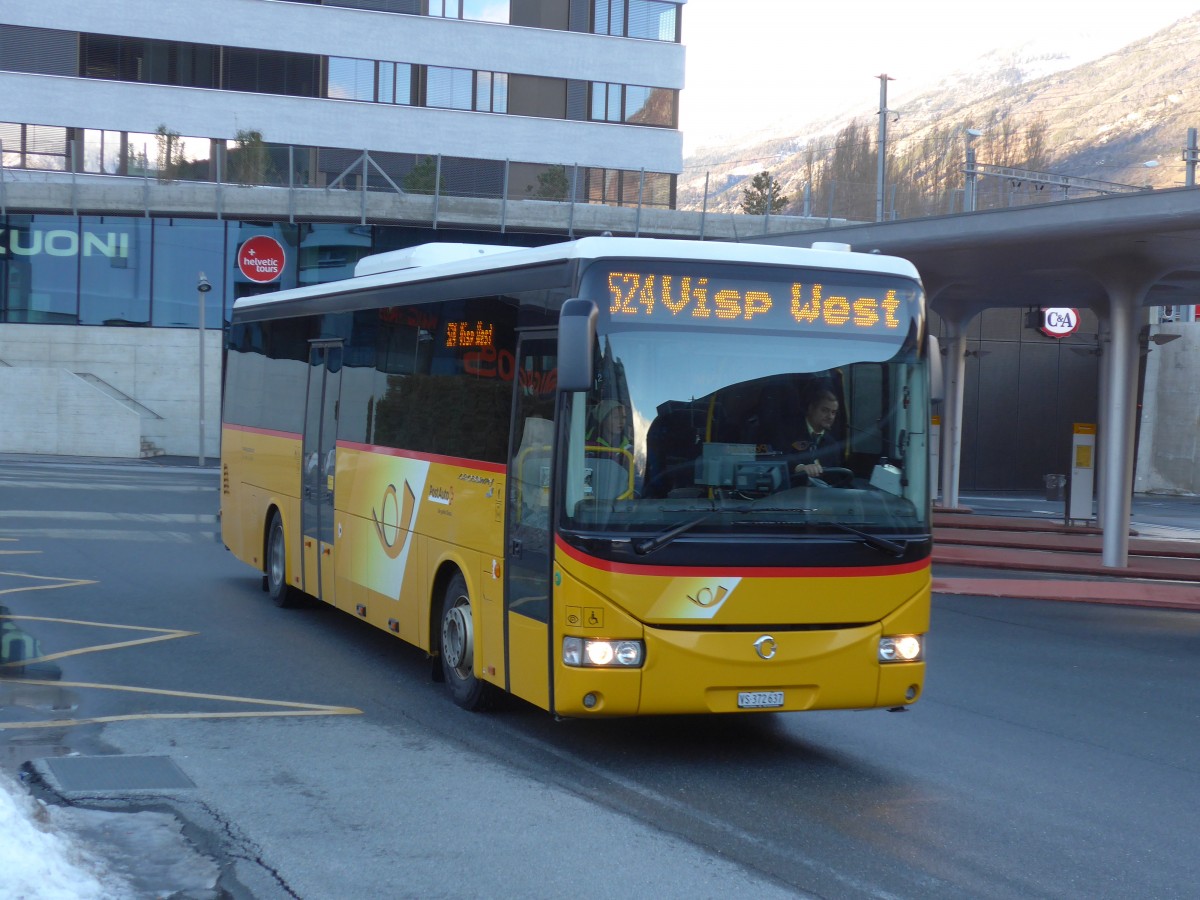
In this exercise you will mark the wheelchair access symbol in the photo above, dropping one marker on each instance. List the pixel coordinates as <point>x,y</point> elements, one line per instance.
<point>585,617</point>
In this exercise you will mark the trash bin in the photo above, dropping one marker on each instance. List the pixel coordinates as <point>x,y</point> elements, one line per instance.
<point>1056,487</point>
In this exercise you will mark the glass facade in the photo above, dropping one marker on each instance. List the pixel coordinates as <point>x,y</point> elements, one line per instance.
<point>139,271</point>
<point>115,270</point>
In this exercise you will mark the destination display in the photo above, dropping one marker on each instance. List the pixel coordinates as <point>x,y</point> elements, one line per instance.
<point>696,295</point>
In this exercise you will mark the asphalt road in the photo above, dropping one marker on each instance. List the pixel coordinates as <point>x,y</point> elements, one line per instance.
<point>1054,753</point>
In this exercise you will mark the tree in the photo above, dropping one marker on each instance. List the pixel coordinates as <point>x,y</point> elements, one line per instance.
<point>422,178</point>
<point>763,189</point>
<point>1037,144</point>
<point>553,184</point>
<point>249,163</point>
<point>846,187</point>
<point>170,153</point>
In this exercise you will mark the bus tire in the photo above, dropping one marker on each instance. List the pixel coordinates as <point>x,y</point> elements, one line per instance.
<point>457,648</point>
<point>280,592</point>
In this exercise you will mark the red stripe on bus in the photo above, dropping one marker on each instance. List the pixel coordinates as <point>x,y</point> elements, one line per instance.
<point>462,462</point>
<point>266,431</point>
<point>747,572</point>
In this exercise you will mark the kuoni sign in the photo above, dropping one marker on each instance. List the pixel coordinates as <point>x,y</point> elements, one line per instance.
<point>261,259</point>
<point>1059,321</point>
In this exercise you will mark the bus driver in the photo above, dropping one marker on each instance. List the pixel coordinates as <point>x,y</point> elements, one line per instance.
<point>817,447</point>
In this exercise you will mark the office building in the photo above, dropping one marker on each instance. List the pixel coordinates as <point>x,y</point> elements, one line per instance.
<point>272,143</point>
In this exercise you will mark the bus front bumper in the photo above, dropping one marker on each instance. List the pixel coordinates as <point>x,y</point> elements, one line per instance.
<point>745,671</point>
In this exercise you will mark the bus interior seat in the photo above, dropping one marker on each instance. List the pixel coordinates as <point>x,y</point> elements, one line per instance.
<point>673,444</point>
<point>609,479</point>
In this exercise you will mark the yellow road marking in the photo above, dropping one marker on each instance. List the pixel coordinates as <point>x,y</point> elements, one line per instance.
<point>61,583</point>
<point>287,708</point>
<point>281,707</point>
<point>161,634</point>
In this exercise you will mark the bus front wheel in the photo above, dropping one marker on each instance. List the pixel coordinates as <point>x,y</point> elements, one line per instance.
<point>458,648</point>
<point>280,592</point>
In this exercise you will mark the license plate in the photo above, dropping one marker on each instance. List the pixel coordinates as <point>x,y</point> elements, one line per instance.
<point>759,699</point>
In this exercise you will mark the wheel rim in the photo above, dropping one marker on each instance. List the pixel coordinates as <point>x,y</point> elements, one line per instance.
<point>457,638</point>
<point>275,559</point>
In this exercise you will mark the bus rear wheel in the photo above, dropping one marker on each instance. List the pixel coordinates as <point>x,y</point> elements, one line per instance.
<point>280,592</point>
<point>457,649</point>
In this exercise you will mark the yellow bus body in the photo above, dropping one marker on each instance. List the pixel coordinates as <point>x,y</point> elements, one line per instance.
<point>404,523</point>
<point>702,629</point>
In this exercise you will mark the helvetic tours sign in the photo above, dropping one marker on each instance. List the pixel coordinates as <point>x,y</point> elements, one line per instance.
<point>261,259</point>
<point>1059,321</point>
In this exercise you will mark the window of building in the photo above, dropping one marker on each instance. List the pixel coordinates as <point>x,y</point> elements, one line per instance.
<point>369,81</point>
<point>270,72</point>
<point>651,20</point>
<point>106,152</point>
<point>491,92</point>
<point>351,79</point>
<point>476,10</point>
<point>606,102</point>
<point>182,250</point>
<point>649,106</point>
<point>633,104</point>
<point>148,61</point>
<point>34,146</point>
<point>410,7</point>
<point>447,88</point>
<point>114,270</point>
<point>39,270</point>
<point>628,188</point>
<point>395,83</point>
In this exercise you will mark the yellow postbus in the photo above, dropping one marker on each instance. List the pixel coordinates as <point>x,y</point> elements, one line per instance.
<point>588,473</point>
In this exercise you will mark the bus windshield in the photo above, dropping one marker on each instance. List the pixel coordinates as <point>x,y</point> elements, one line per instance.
<point>785,428</point>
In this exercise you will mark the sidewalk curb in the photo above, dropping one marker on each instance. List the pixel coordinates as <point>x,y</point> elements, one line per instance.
<point>1116,593</point>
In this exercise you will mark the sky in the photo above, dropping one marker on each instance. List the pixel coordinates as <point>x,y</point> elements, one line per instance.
<point>753,62</point>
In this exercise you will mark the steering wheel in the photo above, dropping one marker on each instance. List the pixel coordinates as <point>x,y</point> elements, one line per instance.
<point>831,476</point>
<point>836,476</point>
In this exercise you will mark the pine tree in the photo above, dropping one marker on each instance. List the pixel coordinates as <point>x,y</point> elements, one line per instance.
<point>763,189</point>
<point>422,178</point>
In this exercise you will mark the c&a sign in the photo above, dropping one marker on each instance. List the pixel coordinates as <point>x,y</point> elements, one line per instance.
<point>1059,321</point>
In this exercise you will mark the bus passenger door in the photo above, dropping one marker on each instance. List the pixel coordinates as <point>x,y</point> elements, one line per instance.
<point>528,532</point>
<point>320,457</point>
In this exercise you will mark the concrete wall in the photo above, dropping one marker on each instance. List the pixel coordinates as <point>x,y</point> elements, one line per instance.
<point>1169,442</point>
<point>156,367</point>
<point>55,411</point>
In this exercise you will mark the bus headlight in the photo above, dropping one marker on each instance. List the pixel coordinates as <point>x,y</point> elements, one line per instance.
<point>602,654</point>
<point>902,648</point>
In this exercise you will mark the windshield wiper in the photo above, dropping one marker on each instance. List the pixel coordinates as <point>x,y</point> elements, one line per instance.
<point>641,548</point>
<point>882,544</point>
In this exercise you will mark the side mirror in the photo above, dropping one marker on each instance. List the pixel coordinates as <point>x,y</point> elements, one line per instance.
<point>576,338</point>
<point>937,381</point>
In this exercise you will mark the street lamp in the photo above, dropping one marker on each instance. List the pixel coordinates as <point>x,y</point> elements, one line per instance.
<point>202,288</point>
<point>972,177</point>
<point>882,161</point>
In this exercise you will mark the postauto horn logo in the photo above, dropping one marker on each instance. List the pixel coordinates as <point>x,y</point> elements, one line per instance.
<point>393,520</point>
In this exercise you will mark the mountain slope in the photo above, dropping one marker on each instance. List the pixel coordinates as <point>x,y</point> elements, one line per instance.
<point>1101,120</point>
